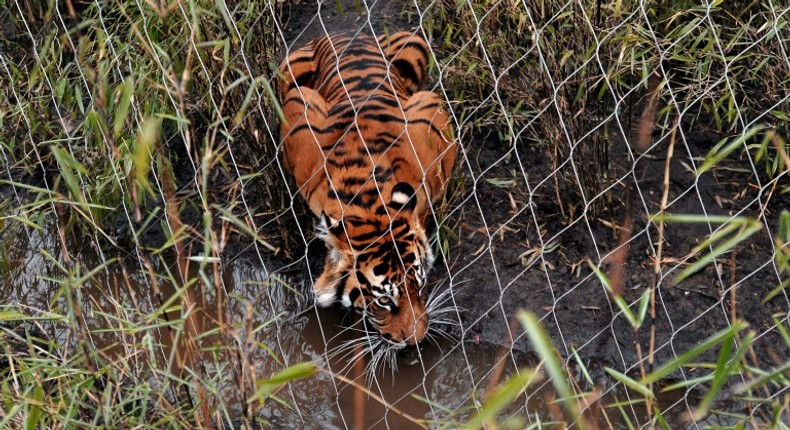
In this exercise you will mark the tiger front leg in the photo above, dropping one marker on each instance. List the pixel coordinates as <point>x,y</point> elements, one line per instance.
<point>306,131</point>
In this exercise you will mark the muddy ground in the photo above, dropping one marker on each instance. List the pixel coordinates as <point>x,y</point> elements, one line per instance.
<point>498,230</point>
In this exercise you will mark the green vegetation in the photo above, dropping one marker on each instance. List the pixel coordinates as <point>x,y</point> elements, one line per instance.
<point>587,408</point>
<point>112,100</point>
<point>121,124</point>
<point>568,76</point>
<point>135,148</point>
<point>571,78</point>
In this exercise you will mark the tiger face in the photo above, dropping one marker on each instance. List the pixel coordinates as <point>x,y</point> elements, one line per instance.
<point>371,155</point>
<point>385,280</point>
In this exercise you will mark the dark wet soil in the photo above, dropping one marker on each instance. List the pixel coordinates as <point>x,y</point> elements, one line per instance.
<point>494,278</point>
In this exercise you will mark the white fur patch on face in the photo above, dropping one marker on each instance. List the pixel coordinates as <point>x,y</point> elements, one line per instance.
<point>335,255</point>
<point>326,299</point>
<point>322,228</point>
<point>375,280</point>
<point>346,301</point>
<point>400,198</point>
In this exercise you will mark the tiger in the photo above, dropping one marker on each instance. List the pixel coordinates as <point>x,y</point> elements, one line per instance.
<point>370,154</point>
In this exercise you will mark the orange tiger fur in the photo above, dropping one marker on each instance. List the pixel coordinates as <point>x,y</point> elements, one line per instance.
<point>370,154</point>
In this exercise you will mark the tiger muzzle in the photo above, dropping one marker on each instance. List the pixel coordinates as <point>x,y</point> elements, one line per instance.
<point>409,327</point>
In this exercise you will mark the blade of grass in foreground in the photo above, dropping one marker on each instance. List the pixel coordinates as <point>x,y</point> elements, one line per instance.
<point>502,397</point>
<point>542,343</point>
<point>630,383</point>
<point>688,356</point>
<point>70,168</point>
<point>728,365</point>
<point>743,226</point>
<point>145,145</point>
<point>266,387</point>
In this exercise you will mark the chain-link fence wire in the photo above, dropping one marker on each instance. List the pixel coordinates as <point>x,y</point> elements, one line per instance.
<point>152,235</point>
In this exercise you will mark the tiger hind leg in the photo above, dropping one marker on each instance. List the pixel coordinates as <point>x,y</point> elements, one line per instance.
<point>430,142</point>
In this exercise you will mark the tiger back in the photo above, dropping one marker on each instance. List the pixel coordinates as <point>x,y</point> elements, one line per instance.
<point>370,154</point>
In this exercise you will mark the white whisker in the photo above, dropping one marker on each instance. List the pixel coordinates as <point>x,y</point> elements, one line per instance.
<point>448,310</point>
<point>435,340</point>
<point>356,330</point>
<point>343,350</point>
<point>444,335</point>
<point>373,365</point>
<point>448,322</point>
<point>442,303</point>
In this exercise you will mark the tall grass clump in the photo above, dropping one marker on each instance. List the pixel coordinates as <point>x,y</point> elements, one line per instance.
<point>130,143</point>
<point>108,101</point>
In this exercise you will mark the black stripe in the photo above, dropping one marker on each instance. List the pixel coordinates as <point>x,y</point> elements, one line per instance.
<point>353,295</point>
<point>363,49</point>
<point>380,102</point>
<point>365,238</point>
<point>333,146</point>
<point>383,175</point>
<point>361,280</point>
<point>428,122</point>
<point>354,82</point>
<point>342,110</point>
<point>424,107</point>
<point>356,221</point>
<point>378,145</point>
<point>381,269</point>
<point>385,99</point>
<point>387,134</point>
<point>334,127</point>
<point>383,117</point>
<point>362,198</point>
<point>399,227</point>
<point>295,99</point>
<point>355,181</point>
<point>393,41</point>
<point>368,109</point>
<point>300,100</point>
<point>369,85</point>
<point>350,162</point>
<point>362,62</point>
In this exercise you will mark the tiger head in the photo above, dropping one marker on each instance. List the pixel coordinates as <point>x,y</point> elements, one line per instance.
<point>379,268</point>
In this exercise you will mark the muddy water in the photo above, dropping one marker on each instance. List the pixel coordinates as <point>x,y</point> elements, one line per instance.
<point>267,319</point>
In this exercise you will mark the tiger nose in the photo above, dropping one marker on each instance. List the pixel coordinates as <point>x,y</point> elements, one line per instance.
<point>418,334</point>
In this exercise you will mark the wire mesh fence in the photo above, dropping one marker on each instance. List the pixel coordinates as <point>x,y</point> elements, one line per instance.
<point>621,175</point>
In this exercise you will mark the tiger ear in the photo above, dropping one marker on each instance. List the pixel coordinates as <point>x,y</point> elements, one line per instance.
<point>408,55</point>
<point>403,197</point>
<point>326,285</point>
<point>297,70</point>
<point>332,224</point>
